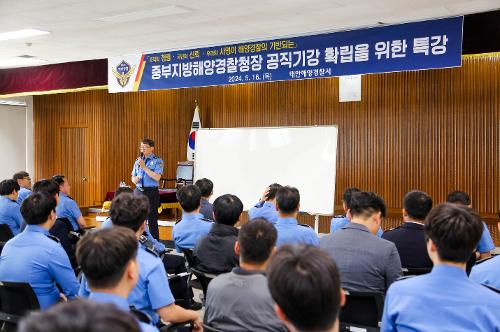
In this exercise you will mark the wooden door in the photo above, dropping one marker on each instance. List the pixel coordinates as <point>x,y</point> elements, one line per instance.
<point>75,162</point>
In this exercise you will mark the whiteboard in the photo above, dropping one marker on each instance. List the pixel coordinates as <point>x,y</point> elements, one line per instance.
<point>244,161</point>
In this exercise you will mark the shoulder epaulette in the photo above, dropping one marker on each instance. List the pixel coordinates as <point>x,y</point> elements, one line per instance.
<point>206,219</point>
<point>304,225</point>
<point>339,216</point>
<point>54,238</point>
<point>152,252</point>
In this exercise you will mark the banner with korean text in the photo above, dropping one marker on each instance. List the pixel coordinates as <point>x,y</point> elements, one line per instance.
<point>409,46</point>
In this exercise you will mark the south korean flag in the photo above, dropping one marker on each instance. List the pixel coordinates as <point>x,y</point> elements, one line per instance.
<point>195,125</point>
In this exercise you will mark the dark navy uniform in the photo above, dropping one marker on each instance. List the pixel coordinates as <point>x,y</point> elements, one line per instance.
<point>409,239</point>
<point>38,258</point>
<point>149,187</point>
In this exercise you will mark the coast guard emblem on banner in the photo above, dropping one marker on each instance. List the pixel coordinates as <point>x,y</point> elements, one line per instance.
<point>123,72</point>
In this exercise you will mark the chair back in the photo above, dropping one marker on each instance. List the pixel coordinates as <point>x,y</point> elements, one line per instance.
<point>62,229</point>
<point>17,299</point>
<point>188,254</point>
<point>416,271</point>
<point>141,316</point>
<point>204,279</point>
<point>362,310</point>
<point>5,233</point>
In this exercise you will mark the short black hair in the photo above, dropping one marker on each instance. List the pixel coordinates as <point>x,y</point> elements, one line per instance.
<point>206,186</point>
<point>20,175</point>
<point>49,186</point>
<point>8,186</point>
<point>36,208</point>
<point>455,230</point>
<point>305,283</point>
<point>287,199</point>
<point>80,316</point>
<point>273,188</point>
<point>417,204</point>
<point>458,197</point>
<point>227,209</point>
<point>121,190</point>
<point>59,179</point>
<point>257,239</point>
<point>104,255</point>
<point>189,197</point>
<point>346,197</point>
<point>129,210</point>
<point>365,204</point>
<point>148,141</point>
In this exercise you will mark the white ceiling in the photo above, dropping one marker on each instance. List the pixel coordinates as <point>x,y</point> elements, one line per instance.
<point>80,29</point>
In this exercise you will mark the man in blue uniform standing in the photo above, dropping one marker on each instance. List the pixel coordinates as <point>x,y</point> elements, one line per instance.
<point>192,226</point>
<point>340,221</point>
<point>446,299</point>
<point>24,181</point>
<point>67,207</point>
<point>146,176</point>
<point>10,213</point>
<point>108,258</point>
<point>289,231</point>
<point>36,257</point>
<point>266,207</point>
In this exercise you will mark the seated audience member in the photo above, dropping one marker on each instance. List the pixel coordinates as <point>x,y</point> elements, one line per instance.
<point>192,226</point>
<point>60,229</point>
<point>207,189</point>
<point>10,211</point>
<point>305,284</point>
<point>488,272</point>
<point>409,238</point>
<point>486,244</point>
<point>24,181</point>
<point>289,231</point>
<point>244,289</point>
<point>174,264</point>
<point>338,222</point>
<point>152,293</point>
<point>79,316</point>
<point>108,258</point>
<point>67,207</point>
<point>266,207</point>
<point>446,299</point>
<point>215,252</point>
<point>366,262</point>
<point>36,257</point>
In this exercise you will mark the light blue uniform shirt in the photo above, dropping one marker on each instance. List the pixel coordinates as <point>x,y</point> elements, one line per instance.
<point>487,273</point>
<point>290,232</point>
<point>159,247</point>
<point>152,291</point>
<point>122,304</point>
<point>67,208</point>
<point>155,164</point>
<point>443,300</point>
<point>23,193</point>
<point>189,230</point>
<point>35,258</point>
<point>266,210</point>
<point>10,214</point>
<point>486,243</point>
<point>339,222</point>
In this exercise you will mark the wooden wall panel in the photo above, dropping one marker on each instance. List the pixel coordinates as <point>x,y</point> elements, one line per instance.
<point>435,130</point>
